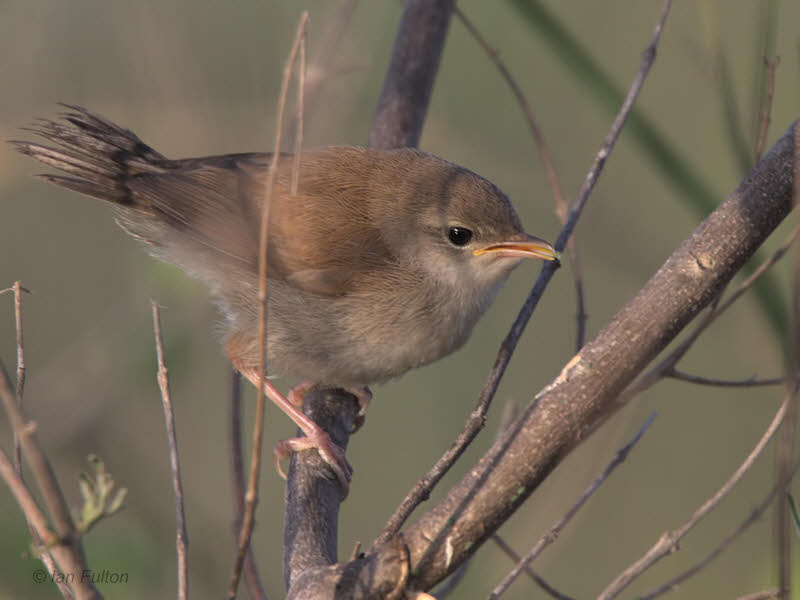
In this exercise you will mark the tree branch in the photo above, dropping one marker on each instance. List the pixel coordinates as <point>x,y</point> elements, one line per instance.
<point>409,80</point>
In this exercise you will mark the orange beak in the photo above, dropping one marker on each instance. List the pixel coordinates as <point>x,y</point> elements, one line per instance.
<point>527,246</point>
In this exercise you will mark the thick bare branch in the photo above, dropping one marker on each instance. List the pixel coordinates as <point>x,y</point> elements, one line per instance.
<point>409,80</point>
<point>312,497</point>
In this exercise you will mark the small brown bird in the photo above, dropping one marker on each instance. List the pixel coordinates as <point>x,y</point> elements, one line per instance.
<point>383,261</point>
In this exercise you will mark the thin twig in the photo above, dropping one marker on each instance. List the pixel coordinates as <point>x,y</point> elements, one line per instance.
<point>65,548</point>
<point>666,365</point>
<point>45,557</point>
<point>298,138</point>
<point>718,549</point>
<point>20,387</point>
<point>509,551</point>
<point>251,498</point>
<point>762,595</point>
<point>40,466</point>
<point>668,542</point>
<point>319,67</point>
<point>181,537</point>
<point>477,418</point>
<point>252,577</point>
<point>26,502</point>
<point>547,164</point>
<point>761,142</point>
<point>746,383</point>
<point>552,534</point>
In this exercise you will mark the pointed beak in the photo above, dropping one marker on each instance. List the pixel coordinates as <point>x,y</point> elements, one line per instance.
<point>527,246</point>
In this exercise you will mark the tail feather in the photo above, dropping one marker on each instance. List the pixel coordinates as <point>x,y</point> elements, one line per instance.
<point>200,214</point>
<point>97,155</point>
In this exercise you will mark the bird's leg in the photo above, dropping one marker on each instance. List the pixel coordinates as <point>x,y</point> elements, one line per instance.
<point>316,437</point>
<point>362,394</point>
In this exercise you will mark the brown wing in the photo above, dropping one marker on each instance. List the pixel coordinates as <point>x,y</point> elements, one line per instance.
<point>320,240</point>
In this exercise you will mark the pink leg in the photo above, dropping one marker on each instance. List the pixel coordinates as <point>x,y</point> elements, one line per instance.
<point>316,437</point>
<point>362,394</point>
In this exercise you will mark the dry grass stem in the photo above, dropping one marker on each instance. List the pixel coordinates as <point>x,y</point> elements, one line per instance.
<point>251,497</point>
<point>181,537</point>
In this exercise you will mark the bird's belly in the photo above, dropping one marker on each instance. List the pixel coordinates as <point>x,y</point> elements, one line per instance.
<point>350,341</point>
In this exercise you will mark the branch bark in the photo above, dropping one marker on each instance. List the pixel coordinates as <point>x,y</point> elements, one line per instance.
<point>409,80</point>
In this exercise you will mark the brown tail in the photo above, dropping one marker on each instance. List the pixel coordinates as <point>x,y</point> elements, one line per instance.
<point>98,155</point>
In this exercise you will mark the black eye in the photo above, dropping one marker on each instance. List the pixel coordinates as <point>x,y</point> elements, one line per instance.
<point>459,235</point>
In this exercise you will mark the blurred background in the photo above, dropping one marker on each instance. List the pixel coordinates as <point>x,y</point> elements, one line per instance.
<point>201,77</point>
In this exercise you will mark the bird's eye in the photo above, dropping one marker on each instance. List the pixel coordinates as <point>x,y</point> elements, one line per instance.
<point>459,235</point>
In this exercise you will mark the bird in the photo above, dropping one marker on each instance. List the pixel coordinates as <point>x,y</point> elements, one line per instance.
<point>379,262</point>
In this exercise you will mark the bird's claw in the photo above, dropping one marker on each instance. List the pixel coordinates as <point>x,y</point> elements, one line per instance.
<point>332,454</point>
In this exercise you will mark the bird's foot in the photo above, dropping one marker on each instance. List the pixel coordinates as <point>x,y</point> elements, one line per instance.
<point>316,437</point>
<point>332,454</point>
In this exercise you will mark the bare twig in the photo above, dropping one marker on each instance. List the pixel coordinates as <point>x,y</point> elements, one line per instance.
<point>181,537</point>
<point>745,383</point>
<point>252,577</point>
<point>65,547</point>
<point>509,551</point>
<point>298,137</point>
<point>17,289</point>
<point>40,465</point>
<point>251,498</point>
<point>319,67</point>
<point>547,164</point>
<point>26,502</point>
<point>667,365</point>
<point>762,595</point>
<point>552,534</point>
<point>771,65</point>
<point>668,542</point>
<point>409,79</point>
<point>477,418</point>
<point>20,387</point>
<point>716,551</point>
